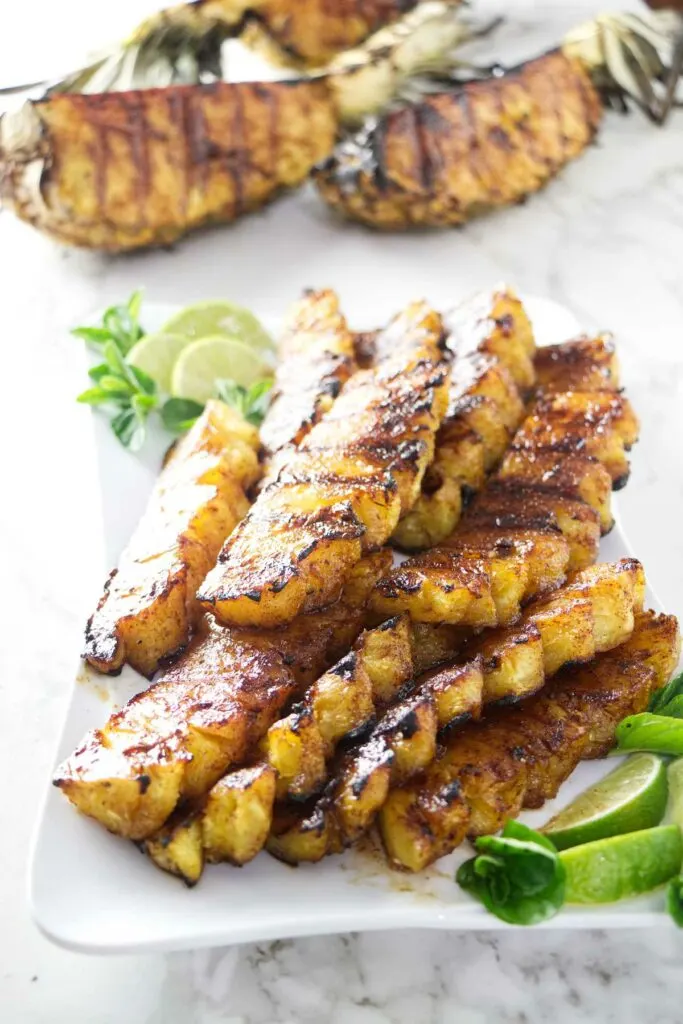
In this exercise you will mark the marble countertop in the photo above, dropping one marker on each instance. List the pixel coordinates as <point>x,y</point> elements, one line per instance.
<point>606,240</point>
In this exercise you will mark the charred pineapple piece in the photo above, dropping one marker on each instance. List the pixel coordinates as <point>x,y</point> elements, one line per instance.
<point>492,344</point>
<point>236,817</point>
<point>591,423</point>
<point>581,477</point>
<point>302,536</point>
<point>454,587</point>
<point>495,324</point>
<point>593,613</point>
<point>502,503</point>
<point>545,552</point>
<point>339,705</point>
<point>400,747</point>
<point>582,364</point>
<point>148,610</point>
<point>315,359</point>
<point>520,756</point>
<point>178,849</point>
<point>177,738</point>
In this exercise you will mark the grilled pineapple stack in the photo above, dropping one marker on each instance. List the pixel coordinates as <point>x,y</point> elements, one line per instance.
<point>366,704</point>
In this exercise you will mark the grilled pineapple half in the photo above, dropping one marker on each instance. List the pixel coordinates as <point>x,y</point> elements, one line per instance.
<point>148,610</point>
<point>353,474</point>
<point>520,756</point>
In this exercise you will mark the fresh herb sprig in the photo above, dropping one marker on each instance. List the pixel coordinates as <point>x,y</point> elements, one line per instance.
<point>129,395</point>
<point>660,728</point>
<point>518,875</point>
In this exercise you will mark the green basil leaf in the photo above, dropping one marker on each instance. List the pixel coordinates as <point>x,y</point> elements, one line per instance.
<point>93,335</point>
<point>115,385</point>
<point>114,359</point>
<point>673,709</point>
<point>650,732</point>
<point>134,305</point>
<point>129,429</point>
<point>179,414</point>
<point>674,688</point>
<point>518,876</point>
<point>674,900</point>
<point>143,404</point>
<point>142,380</point>
<point>94,396</point>
<point>96,373</point>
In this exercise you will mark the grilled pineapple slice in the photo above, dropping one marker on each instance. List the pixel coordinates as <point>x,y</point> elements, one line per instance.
<point>336,707</point>
<point>315,359</point>
<point>148,610</point>
<point>177,738</point>
<point>235,828</point>
<point>520,756</point>
<point>577,476</point>
<point>402,744</point>
<point>502,503</point>
<point>178,848</point>
<point>496,324</point>
<point>582,364</point>
<point>454,587</point>
<point>492,344</point>
<point>591,423</point>
<point>302,536</point>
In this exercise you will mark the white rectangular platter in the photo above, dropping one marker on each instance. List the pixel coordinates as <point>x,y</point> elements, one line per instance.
<point>92,892</point>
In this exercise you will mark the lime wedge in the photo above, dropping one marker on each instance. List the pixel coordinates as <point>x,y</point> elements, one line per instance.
<point>630,798</point>
<point>612,869</point>
<point>156,355</point>
<point>204,319</point>
<point>675,779</point>
<point>203,362</point>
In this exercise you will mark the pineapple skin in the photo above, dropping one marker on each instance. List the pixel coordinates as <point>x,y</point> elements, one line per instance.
<point>129,170</point>
<point>457,154</point>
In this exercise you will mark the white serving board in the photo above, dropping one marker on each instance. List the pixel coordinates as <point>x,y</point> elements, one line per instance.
<point>95,893</point>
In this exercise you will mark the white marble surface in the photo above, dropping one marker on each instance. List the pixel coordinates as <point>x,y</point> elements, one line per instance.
<point>606,240</point>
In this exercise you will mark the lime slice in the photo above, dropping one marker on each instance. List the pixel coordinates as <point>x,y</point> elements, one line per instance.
<point>203,362</point>
<point>156,355</point>
<point>205,319</point>
<point>630,798</point>
<point>612,869</point>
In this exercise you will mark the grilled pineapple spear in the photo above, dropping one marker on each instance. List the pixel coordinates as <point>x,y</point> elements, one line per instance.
<point>519,757</point>
<point>592,614</point>
<point>177,738</point>
<point>148,610</point>
<point>343,490</point>
<point>461,149</point>
<point>492,345</point>
<point>107,161</point>
<point>315,359</point>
